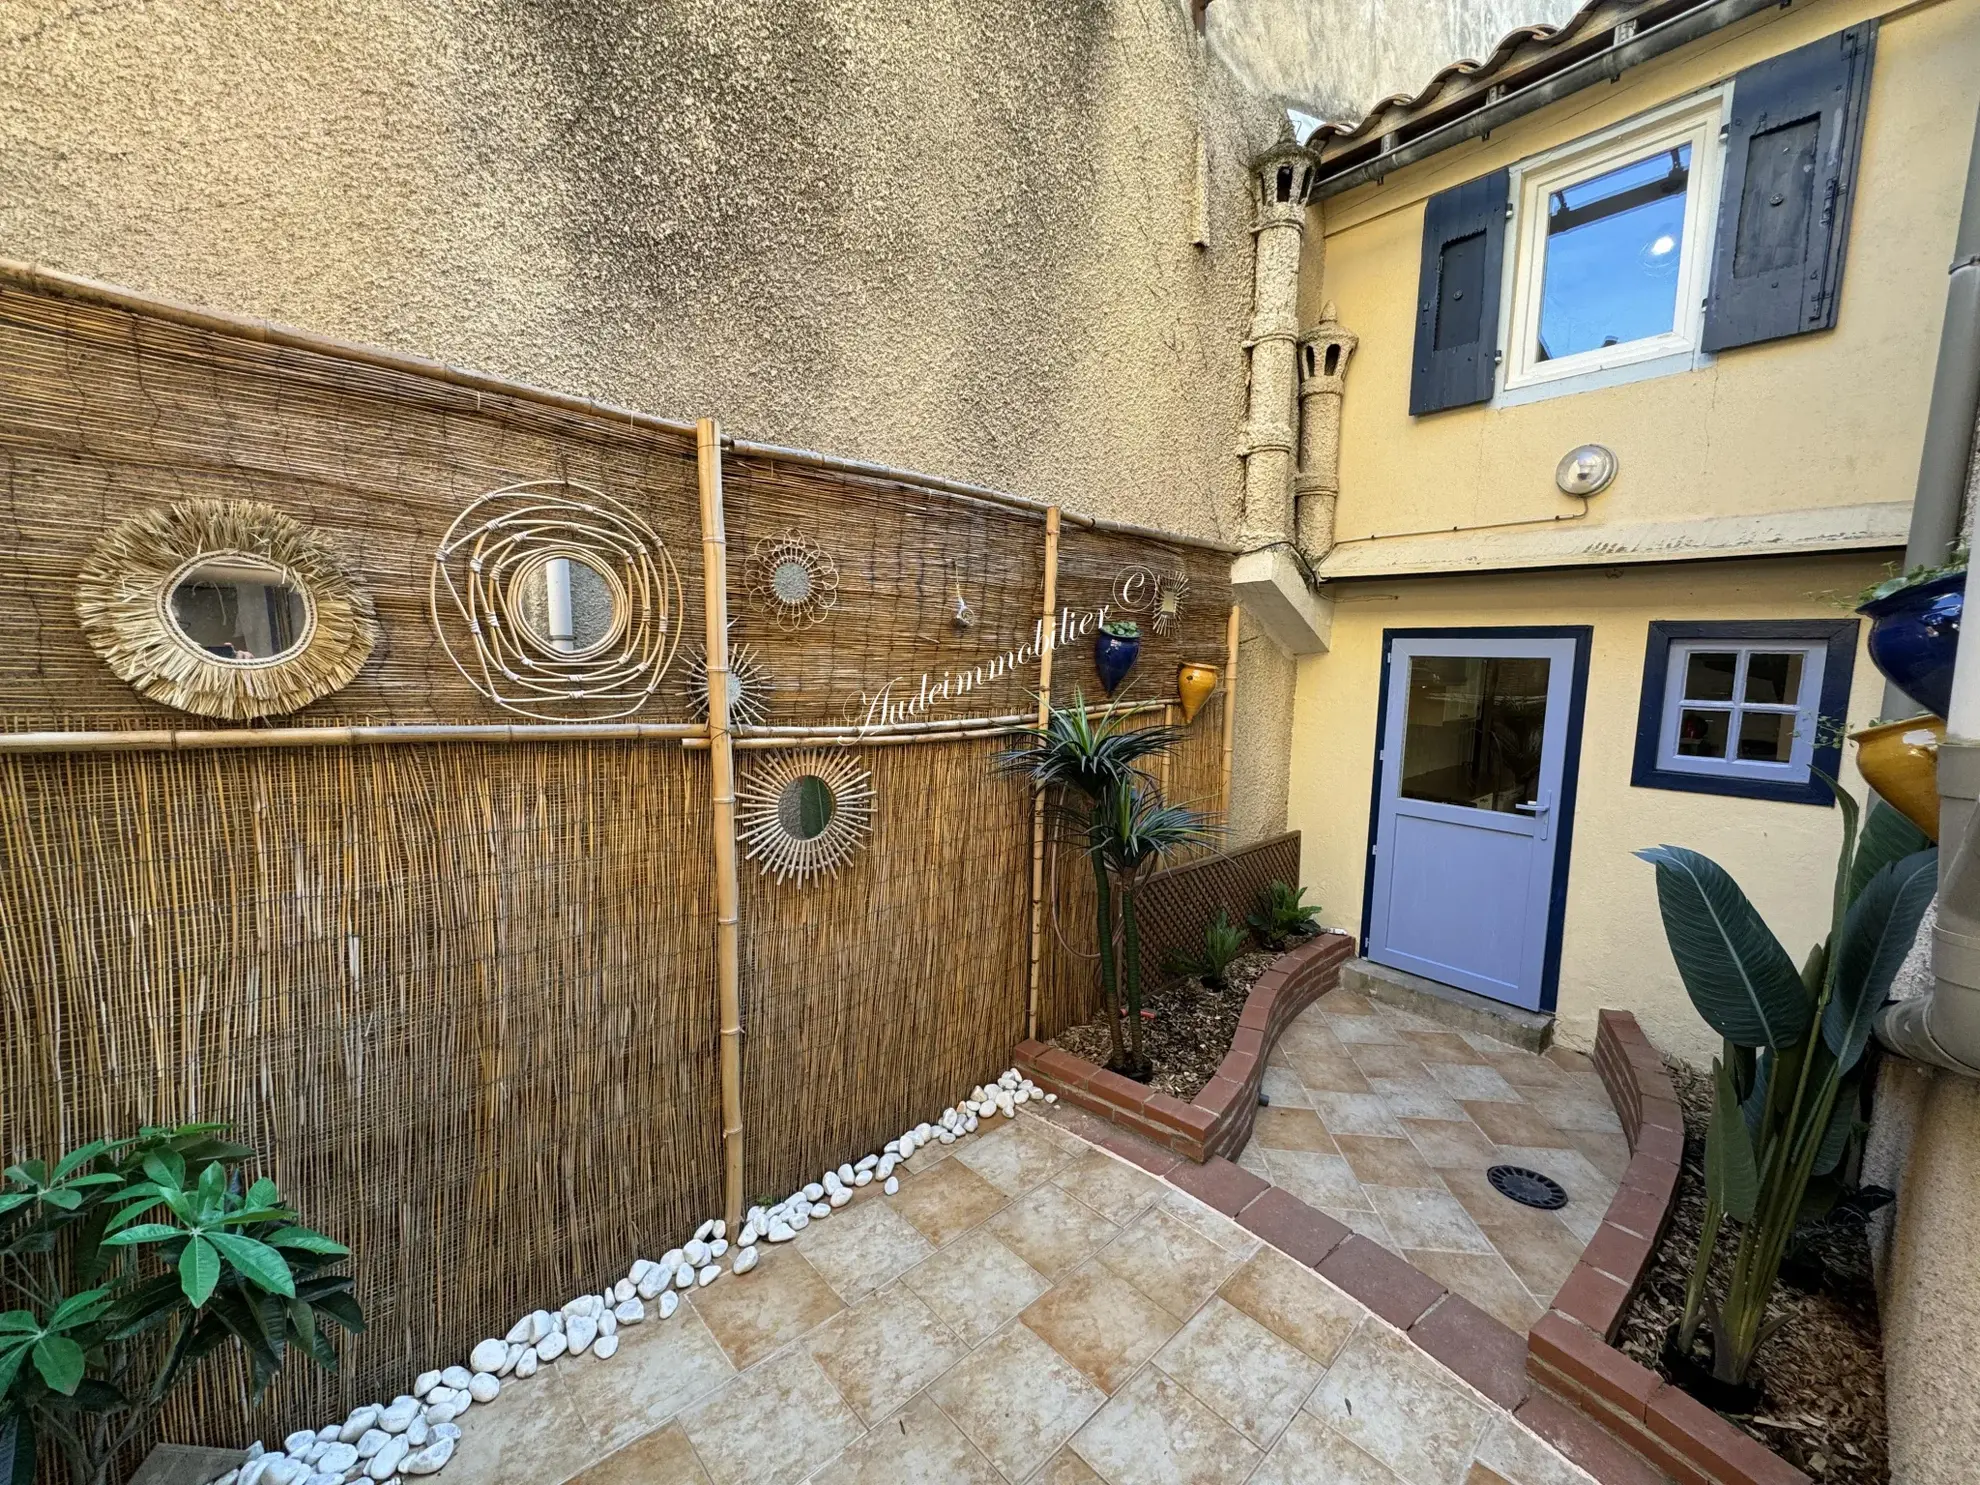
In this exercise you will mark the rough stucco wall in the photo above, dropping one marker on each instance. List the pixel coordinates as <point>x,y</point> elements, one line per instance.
<point>945,236</point>
<point>1336,59</point>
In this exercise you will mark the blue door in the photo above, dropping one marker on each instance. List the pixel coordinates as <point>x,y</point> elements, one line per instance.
<point>1471,811</point>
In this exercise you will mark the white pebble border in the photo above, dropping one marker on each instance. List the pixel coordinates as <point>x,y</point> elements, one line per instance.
<point>415,1433</point>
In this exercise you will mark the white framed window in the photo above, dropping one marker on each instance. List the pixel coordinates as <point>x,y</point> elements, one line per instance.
<point>1611,250</point>
<point>1741,710</point>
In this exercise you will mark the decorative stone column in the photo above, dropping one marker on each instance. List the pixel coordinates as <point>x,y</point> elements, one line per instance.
<point>1324,352</point>
<point>1282,180</point>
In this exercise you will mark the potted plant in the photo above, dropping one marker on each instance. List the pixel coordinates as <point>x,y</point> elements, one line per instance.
<point>129,1263</point>
<point>1282,915</point>
<point>1115,649</point>
<point>1914,629</point>
<point>1786,1091</point>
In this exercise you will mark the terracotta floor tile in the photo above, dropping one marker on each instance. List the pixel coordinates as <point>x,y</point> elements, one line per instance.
<point>1415,1098</point>
<point>663,1457</point>
<point>1440,1046</point>
<point>1309,1030</point>
<point>1168,1261</point>
<point>662,1366</point>
<point>948,1201</point>
<point>865,1246</point>
<point>1540,1248</point>
<point>771,1425</point>
<point>1466,1081</point>
<point>1050,1230</point>
<point>918,1444</point>
<point>1448,1144</point>
<point>1327,1072</point>
<point>1340,1002</point>
<point>1154,1433</point>
<point>1362,1031</point>
<point>1355,1113</point>
<point>1608,1153</point>
<point>1017,1400</point>
<point>1244,1373</point>
<point>1311,1453</point>
<point>1113,1188</point>
<point>1282,1086</point>
<point>1240,1242</point>
<point>1513,1452</point>
<point>1291,1129</point>
<point>1397,1404</point>
<point>1421,1218</point>
<point>1513,1123</point>
<point>976,1284</point>
<point>532,1431</point>
<point>1387,1060</point>
<point>784,1298</point>
<point>1294,1303</point>
<point>1520,1068</point>
<point>1578,1064</point>
<point>1252,1158</point>
<point>1317,1180</point>
<point>1485,1280</point>
<point>1014,1158</point>
<point>1385,1161</point>
<point>883,1350</point>
<point>1364,1221</point>
<point>1101,1324</point>
<point>1576,1109</point>
<point>1067,1468</point>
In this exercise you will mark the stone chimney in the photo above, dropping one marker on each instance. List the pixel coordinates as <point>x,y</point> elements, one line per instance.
<point>1324,352</point>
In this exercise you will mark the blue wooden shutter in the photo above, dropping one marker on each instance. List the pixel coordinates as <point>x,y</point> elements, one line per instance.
<point>1791,150</point>
<point>1457,295</point>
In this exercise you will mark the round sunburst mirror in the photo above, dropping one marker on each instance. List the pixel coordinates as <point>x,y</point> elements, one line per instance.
<point>803,814</point>
<point>224,608</point>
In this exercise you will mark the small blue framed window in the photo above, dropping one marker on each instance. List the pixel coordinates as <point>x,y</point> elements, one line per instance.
<point>1747,709</point>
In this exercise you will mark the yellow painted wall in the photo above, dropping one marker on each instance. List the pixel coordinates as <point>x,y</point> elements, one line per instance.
<point>1613,947</point>
<point>1832,418</point>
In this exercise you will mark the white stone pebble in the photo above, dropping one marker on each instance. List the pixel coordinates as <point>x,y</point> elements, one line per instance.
<point>745,1260</point>
<point>398,1418</point>
<point>337,1458</point>
<point>710,1274</point>
<point>580,1331</point>
<point>300,1444</point>
<point>526,1365</point>
<point>551,1346</point>
<point>484,1387</point>
<point>456,1377</point>
<point>867,1162</point>
<point>684,1276</point>
<point>624,1290</point>
<point>385,1463</point>
<point>430,1460</point>
<point>629,1312</point>
<point>374,1439</point>
<point>608,1324</point>
<point>359,1423</point>
<point>717,1248</point>
<point>893,1186</point>
<point>864,1178</point>
<point>607,1347</point>
<point>696,1252</point>
<point>821,1209</point>
<point>488,1356</point>
<point>669,1302</point>
<point>780,1231</point>
<point>813,1192</point>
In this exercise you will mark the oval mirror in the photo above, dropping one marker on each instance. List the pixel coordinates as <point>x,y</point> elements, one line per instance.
<point>565,603</point>
<point>239,609</point>
<point>806,806</point>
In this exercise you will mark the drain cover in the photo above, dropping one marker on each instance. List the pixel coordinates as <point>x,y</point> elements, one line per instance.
<point>1527,1187</point>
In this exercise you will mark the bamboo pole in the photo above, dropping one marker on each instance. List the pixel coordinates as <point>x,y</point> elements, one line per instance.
<point>1038,802</point>
<point>1162,758</point>
<point>722,795</point>
<point>1230,705</point>
<point>186,740</point>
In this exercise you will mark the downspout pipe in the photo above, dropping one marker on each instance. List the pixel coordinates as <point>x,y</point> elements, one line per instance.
<point>1942,1027</point>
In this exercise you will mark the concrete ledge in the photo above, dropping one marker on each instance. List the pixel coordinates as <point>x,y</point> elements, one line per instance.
<point>1458,1009</point>
<point>1219,1121</point>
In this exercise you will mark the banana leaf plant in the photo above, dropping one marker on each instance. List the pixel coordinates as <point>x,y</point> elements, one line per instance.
<point>127,1264</point>
<point>1788,1088</point>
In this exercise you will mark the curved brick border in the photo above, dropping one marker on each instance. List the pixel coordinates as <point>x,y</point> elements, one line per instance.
<point>1568,1351</point>
<point>1219,1121</point>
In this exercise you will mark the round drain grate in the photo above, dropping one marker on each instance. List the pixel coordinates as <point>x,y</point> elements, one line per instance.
<point>1527,1187</point>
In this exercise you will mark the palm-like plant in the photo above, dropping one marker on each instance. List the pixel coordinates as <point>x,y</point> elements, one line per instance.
<point>1787,1090</point>
<point>1082,758</point>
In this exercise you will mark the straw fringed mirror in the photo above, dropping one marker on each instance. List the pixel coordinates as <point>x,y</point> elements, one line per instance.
<point>803,814</point>
<point>224,608</point>
<point>556,601</point>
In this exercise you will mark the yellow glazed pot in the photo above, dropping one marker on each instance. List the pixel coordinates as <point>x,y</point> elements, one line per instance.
<point>1194,683</point>
<point>1900,760</point>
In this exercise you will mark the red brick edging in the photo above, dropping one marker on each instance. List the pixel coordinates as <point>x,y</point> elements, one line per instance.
<point>1568,1351</point>
<point>1219,1121</point>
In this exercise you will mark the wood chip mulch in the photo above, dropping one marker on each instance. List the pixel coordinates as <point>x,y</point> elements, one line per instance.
<point>1191,1029</point>
<point>1823,1372</point>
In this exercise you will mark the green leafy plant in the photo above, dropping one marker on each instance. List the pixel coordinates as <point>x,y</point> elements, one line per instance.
<point>1222,943</point>
<point>1896,582</point>
<point>1101,795</point>
<point>132,1261</point>
<point>1282,914</point>
<point>1787,1090</point>
<point>1122,628</point>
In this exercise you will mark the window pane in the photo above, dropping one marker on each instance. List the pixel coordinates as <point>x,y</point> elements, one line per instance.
<point>1612,250</point>
<point>1474,731</point>
<point>1774,678</point>
<point>1766,737</point>
<point>1702,734</point>
<point>1710,677</point>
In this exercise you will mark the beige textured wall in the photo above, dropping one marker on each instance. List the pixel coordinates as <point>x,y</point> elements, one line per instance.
<point>938,234</point>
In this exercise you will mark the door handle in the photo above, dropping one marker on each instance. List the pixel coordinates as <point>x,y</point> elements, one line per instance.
<point>1539,809</point>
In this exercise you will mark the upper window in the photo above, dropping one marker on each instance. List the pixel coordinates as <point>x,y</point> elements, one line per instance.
<point>1752,709</point>
<point>1612,242</point>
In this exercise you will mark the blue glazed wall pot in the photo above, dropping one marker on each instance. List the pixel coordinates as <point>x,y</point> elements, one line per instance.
<point>1914,635</point>
<point>1114,656</point>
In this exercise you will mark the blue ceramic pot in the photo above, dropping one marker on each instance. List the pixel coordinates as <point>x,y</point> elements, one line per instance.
<point>1114,656</point>
<point>1914,634</point>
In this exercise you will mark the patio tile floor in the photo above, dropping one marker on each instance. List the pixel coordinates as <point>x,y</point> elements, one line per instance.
<point>1388,1122</point>
<point>1041,1313</point>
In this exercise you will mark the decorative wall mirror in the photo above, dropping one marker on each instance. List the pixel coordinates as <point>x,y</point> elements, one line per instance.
<point>793,578</point>
<point>803,814</point>
<point>557,601</point>
<point>225,609</point>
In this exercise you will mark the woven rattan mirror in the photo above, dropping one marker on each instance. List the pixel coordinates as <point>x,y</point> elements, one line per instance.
<point>803,814</point>
<point>224,608</point>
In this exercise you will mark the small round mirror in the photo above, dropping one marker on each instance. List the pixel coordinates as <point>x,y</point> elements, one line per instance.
<point>790,580</point>
<point>565,604</point>
<point>239,608</point>
<point>806,806</point>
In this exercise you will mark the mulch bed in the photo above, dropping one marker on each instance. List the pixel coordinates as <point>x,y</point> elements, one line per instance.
<point>1823,1372</point>
<point>1191,1029</point>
